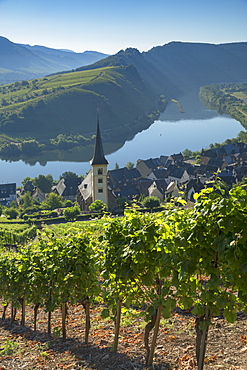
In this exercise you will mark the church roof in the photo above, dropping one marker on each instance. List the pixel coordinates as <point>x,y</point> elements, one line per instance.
<point>98,157</point>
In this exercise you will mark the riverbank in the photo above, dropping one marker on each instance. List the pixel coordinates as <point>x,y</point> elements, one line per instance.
<point>192,107</point>
<point>164,137</point>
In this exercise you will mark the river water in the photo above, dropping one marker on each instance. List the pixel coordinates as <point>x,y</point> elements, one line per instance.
<point>172,133</point>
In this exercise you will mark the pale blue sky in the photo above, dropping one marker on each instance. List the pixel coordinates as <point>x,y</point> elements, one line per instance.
<point>111,25</point>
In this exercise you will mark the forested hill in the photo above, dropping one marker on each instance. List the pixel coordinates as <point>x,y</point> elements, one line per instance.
<point>180,67</point>
<point>130,88</point>
<point>67,103</point>
<point>155,80</point>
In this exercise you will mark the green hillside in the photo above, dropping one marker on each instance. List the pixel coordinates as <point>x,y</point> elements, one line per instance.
<point>45,108</point>
<point>180,67</point>
<point>156,81</point>
<point>129,88</point>
<point>230,99</point>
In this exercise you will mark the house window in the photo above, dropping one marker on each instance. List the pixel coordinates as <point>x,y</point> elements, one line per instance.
<point>100,180</point>
<point>100,171</point>
<point>100,190</point>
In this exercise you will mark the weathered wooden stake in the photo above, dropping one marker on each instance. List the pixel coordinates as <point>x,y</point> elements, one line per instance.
<point>155,335</point>
<point>23,311</point>
<point>36,307</point>
<point>203,343</point>
<point>64,315</point>
<point>49,313</point>
<point>49,323</point>
<point>4,311</point>
<point>13,313</point>
<point>88,324</point>
<point>117,326</point>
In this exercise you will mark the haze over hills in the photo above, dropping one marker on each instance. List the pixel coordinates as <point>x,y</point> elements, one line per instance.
<point>184,66</point>
<point>24,62</point>
<point>126,86</point>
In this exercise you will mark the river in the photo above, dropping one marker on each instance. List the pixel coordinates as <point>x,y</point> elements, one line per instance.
<point>173,132</point>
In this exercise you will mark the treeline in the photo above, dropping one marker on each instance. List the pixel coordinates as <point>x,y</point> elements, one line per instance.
<point>32,147</point>
<point>226,98</point>
<point>42,109</point>
<point>13,147</point>
<point>190,258</point>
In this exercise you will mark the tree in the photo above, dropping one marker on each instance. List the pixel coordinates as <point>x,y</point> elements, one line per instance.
<point>13,204</point>
<point>11,212</point>
<point>30,146</point>
<point>43,182</point>
<point>52,201</point>
<point>68,203</point>
<point>68,175</point>
<point>129,165</point>
<point>98,206</point>
<point>187,153</point>
<point>122,202</point>
<point>116,166</point>
<point>71,213</point>
<point>26,200</point>
<point>4,102</point>
<point>151,202</point>
<point>25,180</point>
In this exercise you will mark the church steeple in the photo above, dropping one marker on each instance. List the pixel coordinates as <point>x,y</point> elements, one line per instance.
<point>99,171</point>
<point>99,157</point>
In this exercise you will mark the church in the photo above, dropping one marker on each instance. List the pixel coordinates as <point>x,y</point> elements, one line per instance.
<point>95,185</point>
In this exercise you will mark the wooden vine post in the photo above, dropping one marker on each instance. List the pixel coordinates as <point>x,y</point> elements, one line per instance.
<point>201,340</point>
<point>64,315</point>
<point>155,335</point>
<point>23,311</point>
<point>88,324</point>
<point>49,312</point>
<point>117,325</point>
<point>153,324</point>
<point>35,314</point>
<point>4,311</point>
<point>13,312</point>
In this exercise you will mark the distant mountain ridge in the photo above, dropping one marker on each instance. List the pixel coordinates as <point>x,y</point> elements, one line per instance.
<point>130,88</point>
<point>179,67</point>
<point>24,62</point>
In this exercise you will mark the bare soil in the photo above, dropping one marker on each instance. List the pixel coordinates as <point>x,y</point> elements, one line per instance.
<point>23,348</point>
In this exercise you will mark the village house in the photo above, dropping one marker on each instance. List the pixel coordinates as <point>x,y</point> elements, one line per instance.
<point>7,193</point>
<point>67,188</point>
<point>157,189</point>
<point>122,176</point>
<point>178,174</point>
<point>176,158</point>
<point>145,167</point>
<point>191,187</point>
<point>159,173</point>
<point>162,177</point>
<point>172,190</point>
<point>38,195</point>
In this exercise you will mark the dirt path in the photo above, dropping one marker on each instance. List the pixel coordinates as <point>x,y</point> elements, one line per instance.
<point>24,348</point>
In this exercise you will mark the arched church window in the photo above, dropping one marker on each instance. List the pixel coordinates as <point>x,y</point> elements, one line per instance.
<point>100,171</point>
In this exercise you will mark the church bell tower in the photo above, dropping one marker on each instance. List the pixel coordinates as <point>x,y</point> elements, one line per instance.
<point>99,170</point>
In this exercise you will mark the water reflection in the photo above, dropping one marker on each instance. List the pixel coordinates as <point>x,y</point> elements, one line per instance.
<point>174,132</point>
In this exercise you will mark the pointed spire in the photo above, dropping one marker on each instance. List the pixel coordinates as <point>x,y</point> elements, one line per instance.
<point>98,157</point>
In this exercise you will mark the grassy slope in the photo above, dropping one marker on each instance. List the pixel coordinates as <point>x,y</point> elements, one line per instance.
<point>123,86</point>
<point>67,103</point>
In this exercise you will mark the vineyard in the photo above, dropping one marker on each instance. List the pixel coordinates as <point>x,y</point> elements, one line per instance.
<point>140,268</point>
